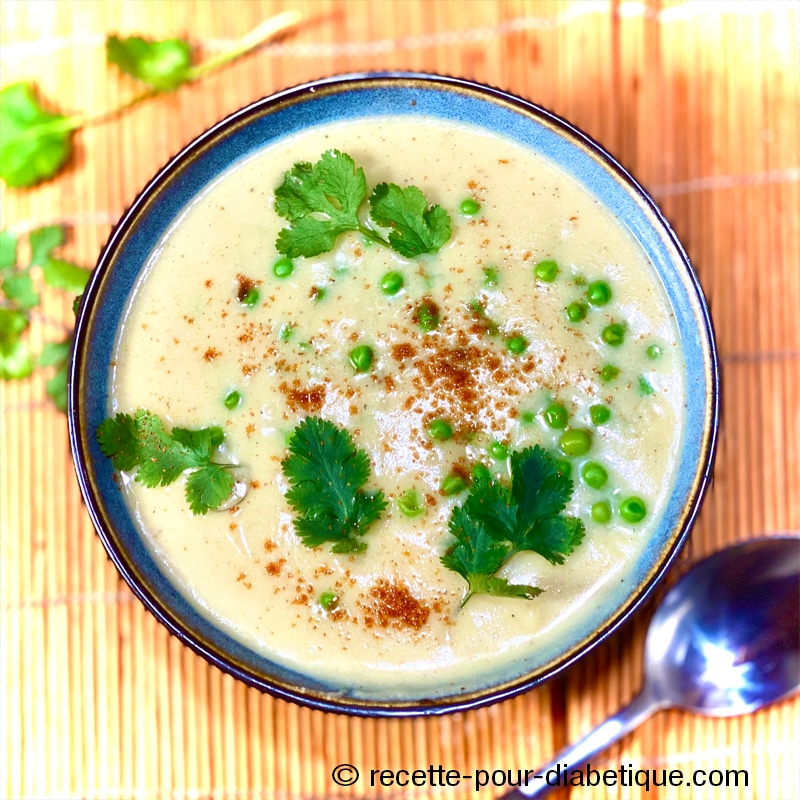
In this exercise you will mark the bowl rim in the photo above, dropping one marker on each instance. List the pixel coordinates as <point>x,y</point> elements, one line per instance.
<point>320,697</point>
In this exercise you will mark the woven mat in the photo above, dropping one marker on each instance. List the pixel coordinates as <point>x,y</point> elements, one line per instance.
<point>699,100</point>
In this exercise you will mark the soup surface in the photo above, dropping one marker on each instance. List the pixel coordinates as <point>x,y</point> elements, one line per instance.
<point>496,343</point>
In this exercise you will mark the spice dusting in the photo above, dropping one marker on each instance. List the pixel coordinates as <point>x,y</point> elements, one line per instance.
<point>393,604</point>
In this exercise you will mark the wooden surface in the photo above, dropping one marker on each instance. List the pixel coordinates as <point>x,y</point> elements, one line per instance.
<point>698,99</point>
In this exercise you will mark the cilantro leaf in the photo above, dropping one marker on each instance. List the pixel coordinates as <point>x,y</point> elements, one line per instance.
<point>162,459</point>
<point>35,143</point>
<point>60,274</point>
<point>415,227</point>
<point>321,201</point>
<point>57,273</point>
<point>43,241</point>
<point>490,502</point>
<point>16,361</point>
<point>12,323</point>
<point>201,443</point>
<point>326,473</point>
<point>476,555</point>
<point>8,250</point>
<point>15,358</point>
<point>164,64</point>
<point>554,538</point>
<point>496,522</point>
<point>18,287</point>
<point>474,551</point>
<point>118,438</point>
<point>541,493</point>
<point>499,587</point>
<point>56,354</point>
<point>208,487</point>
<point>142,443</point>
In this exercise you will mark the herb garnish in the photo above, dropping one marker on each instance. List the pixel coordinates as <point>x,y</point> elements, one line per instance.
<point>321,201</point>
<point>36,143</point>
<point>496,522</point>
<point>19,296</point>
<point>163,64</point>
<point>140,442</point>
<point>327,472</point>
<point>416,227</point>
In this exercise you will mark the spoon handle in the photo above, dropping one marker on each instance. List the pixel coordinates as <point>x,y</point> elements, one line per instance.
<point>577,755</point>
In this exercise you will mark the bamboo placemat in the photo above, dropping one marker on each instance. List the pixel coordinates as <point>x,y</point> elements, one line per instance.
<point>699,100</point>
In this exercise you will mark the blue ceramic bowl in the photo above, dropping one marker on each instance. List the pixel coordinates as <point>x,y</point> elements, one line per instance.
<point>349,98</point>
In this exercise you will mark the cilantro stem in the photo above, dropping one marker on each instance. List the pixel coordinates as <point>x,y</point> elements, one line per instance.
<point>372,235</point>
<point>261,33</point>
<point>78,121</point>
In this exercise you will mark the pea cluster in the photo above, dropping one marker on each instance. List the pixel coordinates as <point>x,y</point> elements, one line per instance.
<point>577,442</point>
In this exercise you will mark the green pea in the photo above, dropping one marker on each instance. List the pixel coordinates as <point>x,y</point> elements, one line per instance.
<point>564,467</point>
<point>361,358</point>
<point>480,472</point>
<point>317,293</point>
<point>614,334</point>
<point>498,450</point>
<point>283,267</point>
<point>598,293</point>
<point>469,207</point>
<point>490,276</point>
<point>232,399</point>
<point>440,429</point>
<point>453,484</point>
<point>608,373</point>
<point>546,270</point>
<point>654,352</point>
<point>556,416</point>
<point>329,600</point>
<point>409,505</point>
<point>426,315</point>
<point>250,298</point>
<point>576,311</point>
<point>601,512</point>
<point>285,332</point>
<point>594,474</point>
<point>517,344</point>
<point>528,417</point>
<point>600,414</point>
<point>576,442</point>
<point>633,509</point>
<point>645,387</point>
<point>392,282</point>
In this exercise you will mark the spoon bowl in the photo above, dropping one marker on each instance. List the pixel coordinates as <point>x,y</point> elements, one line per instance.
<point>725,640</point>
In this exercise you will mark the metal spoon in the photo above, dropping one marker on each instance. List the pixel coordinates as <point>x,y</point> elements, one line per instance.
<point>724,641</point>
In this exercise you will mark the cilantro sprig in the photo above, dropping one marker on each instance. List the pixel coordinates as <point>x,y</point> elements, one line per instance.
<point>140,442</point>
<point>327,473</point>
<point>498,521</point>
<point>20,296</point>
<point>37,142</point>
<point>321,201</point>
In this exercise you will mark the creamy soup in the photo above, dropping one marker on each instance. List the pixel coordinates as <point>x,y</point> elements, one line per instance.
<point>514,339</point>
